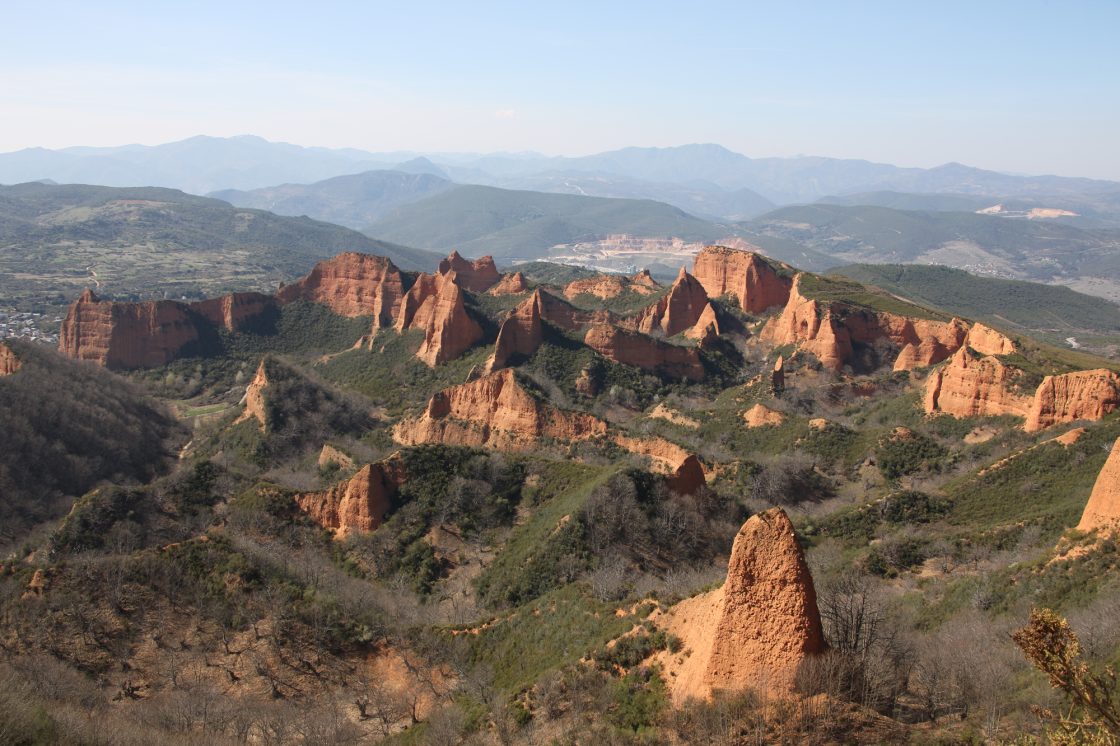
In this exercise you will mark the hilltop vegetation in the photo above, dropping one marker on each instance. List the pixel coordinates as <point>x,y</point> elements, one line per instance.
<point>151,242</point>
<point>505,223</point>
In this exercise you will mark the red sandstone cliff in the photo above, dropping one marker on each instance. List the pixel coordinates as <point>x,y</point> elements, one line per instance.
<point>968,386</point>
<point>351,284</point>
<point>744,274</point>
<point>682,470</point>
<point>510,284</point>
<point>1081,395</point>
<point>677,311</point>
<point>755,631</point>
<point>477,276</point>
<point>358,503</point>
<point>647,353</point>
<point>1102,512</point>
<point>449,331</point>
<point>495,411</point>
<point>143,335</point>
<point>812,326</point>
<point>254,399</point>
<point>520,334</point>
<point>606,287</point>
<point>9,363</point>
<point>987,341</point>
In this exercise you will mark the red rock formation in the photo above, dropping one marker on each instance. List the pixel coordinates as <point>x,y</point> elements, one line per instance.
<point>351,284</point>
<point>510,284</point>
<point>606,287</point>
<point>126,335</point>
<point>675,312</point>
<point>254,399</point>
<point>924,342</point>
<point>778,376</point>
<point>520,334</point>
<point>647,353</point>
<point>1082,395</point>
<point>762,416</point>
<point>755,631</point>
<point>476,276</point>
<point>331,455</point>
<point>706,327</point>
<point>987,341</point>
<point>449,331</point>
<point>9,363</point>
<point>744,274</point>
<point>231,312</point>
<point>813,327</point>
<point>143,335</point>
<point>1102,512</point>
<point>683,471</point>
<point>968,386</point>
<point>495,411</point>
<point>425,288</point>
<point>358,503</point>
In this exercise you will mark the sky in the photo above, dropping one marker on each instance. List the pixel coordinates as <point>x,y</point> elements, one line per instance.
<point>1021,87</point>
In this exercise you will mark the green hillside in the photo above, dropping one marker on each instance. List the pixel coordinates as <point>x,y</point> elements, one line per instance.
<point>57,239</point>
<point>485,220</point>
<point>1048,311</point>
<point>1024,249</point>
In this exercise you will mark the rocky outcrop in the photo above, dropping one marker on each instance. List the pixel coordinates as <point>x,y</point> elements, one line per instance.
<point>679,310</point>
<point>351,284</point>
<point>520,334</point>
<point>331,455</point>
<point>811,326</point>
<point>496,411</point>
<point>1081,395</point>
<point>122,335</point>
<point>1102,512</point>
<point>358,503</point>
<point>647,353</point>
<point>751,278</point>
<point>606,287</point>
<point>9,362</point>
<point>477,275</point>
<point>757,630</point>
<point>923,342</point>
<point>127,335</point>
<point>564,315</point>
<point>987,341</point>
<point>969,386</point>
<point>762,416</point>
<point>254,399</point>
<point>663,412</point>
<point>450,331</point>
<point>510,284</point>
<point>232,312</point>
<point>706,327</point>
<point>682,470</point>
<point>437,305</point>
<point>778,376</point>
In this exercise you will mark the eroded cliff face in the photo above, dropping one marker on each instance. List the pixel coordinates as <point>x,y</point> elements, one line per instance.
<point>495,411</point>
<point>645,352</point>
<point>358,503</point>
<point>520,334</point>
<point>126,335</point>
<point>922,342</point>
<point>510,284</point>
<point>744,274</point>
<point>678,311</point>
<point>755,631</point>
<point>1081,395</point>
<point>254,399</point>
<point>969,386</point>
<point>122,335</point>
<point>987,341</point>
<point>9,363</point>
<point>1102,512</point>
<point>449,331</point>
<point>811,326</point>
<point>606,287</point>
<point>351,284</point>
<point>682,470</point>
<point>476,275</point>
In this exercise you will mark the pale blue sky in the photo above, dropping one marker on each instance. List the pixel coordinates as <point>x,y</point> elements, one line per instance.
<point>1016,86</point>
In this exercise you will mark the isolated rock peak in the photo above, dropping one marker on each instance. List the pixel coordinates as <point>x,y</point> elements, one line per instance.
<point>1102,512</point>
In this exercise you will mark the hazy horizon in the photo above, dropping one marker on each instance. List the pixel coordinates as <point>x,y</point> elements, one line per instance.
<point>1015,88</point>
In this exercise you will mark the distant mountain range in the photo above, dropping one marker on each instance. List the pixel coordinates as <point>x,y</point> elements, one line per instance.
<point>707,180</point>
